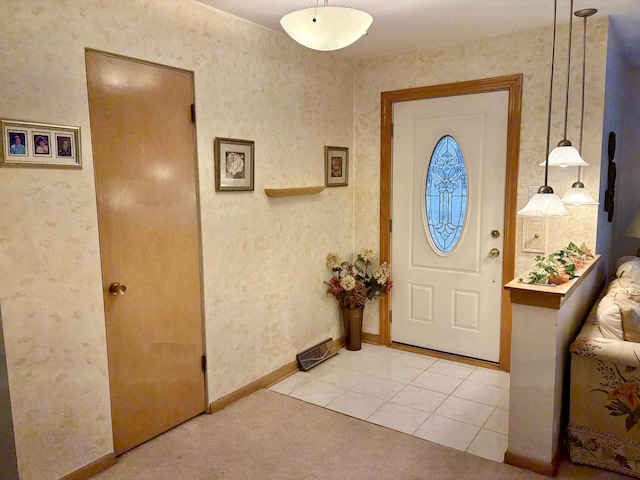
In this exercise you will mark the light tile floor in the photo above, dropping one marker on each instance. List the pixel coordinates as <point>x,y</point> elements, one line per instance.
<point>448,403</point>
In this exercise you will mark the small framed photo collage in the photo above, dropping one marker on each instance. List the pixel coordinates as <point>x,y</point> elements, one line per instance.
<point>28,144</point>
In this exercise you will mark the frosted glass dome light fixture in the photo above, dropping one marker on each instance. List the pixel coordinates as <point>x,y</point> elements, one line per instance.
<point>545,203</point>
<point>578,195</point>
<point>326,28</point>
<point>565,154</point>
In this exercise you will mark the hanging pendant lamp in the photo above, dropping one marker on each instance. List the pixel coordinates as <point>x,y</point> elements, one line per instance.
<point>326,28</point>
<point>565,154</point>
<point>545,203</point>
<point>577,194</point>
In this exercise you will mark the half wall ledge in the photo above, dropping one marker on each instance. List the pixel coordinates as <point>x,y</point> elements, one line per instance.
<point>549,296</point>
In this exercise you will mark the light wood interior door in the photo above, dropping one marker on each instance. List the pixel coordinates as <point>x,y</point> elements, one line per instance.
<point>144,156</point>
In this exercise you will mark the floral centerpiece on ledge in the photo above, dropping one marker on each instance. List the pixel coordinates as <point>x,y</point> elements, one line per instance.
<point>558,267</point>
<point>354,283</point>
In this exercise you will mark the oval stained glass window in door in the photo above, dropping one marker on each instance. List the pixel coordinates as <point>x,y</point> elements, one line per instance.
<point>446,195</point>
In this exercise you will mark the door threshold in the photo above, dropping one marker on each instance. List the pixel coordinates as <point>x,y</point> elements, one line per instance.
<point>446,356</point>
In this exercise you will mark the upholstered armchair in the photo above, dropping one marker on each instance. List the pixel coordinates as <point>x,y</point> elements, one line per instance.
<point>604,410</point>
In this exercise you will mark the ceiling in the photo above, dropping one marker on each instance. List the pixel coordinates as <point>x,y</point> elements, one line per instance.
<point>405,24</point>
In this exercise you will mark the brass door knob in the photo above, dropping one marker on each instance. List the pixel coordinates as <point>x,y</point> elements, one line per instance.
<point>494,252</point>
<point>495,233</point>
<point>117,288</point>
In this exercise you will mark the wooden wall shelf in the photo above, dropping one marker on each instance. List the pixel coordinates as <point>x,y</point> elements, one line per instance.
<point>289,192</point>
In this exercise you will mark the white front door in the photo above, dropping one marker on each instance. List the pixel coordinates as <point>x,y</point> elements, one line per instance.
<point>449,168</point>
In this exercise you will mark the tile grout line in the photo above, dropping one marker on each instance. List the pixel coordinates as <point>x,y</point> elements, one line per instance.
<point>386,362</point>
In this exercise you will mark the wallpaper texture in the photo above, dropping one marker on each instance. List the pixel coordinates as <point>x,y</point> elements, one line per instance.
<point>527,52</point>
<point>263,258</point>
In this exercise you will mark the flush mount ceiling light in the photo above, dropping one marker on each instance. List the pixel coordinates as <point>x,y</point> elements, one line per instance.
<point>577,194</point>
<point>326,28</point>
<point>565,154</point>
<point>545,203</point>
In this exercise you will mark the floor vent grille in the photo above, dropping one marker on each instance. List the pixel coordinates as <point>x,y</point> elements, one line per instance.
<point>316,354</point>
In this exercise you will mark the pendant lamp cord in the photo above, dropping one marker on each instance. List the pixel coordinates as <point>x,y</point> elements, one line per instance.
<point>315,13</point>
<point>566,103</point>
<point>584,75</point>
<point>326,4</point>
<point>553,56</point>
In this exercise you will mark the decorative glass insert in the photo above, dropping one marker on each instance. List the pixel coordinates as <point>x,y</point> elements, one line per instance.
<point>446,194</point>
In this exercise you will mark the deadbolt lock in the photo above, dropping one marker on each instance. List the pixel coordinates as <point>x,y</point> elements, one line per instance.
<point>494,252</point>
<point>495,233</point>
<point>117,288</point>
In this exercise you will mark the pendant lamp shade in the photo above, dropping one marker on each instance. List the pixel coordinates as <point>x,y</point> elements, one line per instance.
<point>545,205</point>
<point>565,156</point>
<point>578,195</point>
<point>326,28</point>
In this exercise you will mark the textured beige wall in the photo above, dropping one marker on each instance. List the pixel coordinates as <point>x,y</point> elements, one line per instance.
<point>263,258</point>
<point>527,52</point>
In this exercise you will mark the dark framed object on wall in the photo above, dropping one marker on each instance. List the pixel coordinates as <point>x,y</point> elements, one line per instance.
<point>234,164</point>
<point>610,192</point>
<point>336,166</point>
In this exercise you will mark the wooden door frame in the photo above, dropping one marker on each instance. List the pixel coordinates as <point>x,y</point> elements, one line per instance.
<point>510,83</point>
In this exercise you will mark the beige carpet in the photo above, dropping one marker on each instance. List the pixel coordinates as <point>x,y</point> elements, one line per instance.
<point>272,436</point>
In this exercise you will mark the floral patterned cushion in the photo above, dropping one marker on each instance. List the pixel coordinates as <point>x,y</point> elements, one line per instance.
<point>629,269</point>
<point>631,321</point>
<point>625,259</point>
<point>591,343</point>
<point>626,286</point>
<point>610,316</point>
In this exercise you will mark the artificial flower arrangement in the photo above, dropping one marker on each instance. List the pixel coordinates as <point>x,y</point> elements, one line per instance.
<point>558,267</point>
<point>353,284</point>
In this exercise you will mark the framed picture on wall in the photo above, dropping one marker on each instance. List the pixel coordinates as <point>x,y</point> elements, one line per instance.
<point>29,144</point>
<point>336,166</point>
<point>41,144</point>
<point>234,164</point>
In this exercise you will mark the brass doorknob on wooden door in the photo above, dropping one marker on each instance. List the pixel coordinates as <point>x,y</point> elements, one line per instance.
<point>117,288</point>
<point>494,252</point>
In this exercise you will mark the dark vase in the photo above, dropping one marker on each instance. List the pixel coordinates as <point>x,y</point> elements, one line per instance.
<point>352,321</point>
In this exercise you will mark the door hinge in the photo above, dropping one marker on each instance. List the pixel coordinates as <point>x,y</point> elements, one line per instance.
<point>204,363</point>
<point>390,225</point>
<point>193,112</point>
<point>392,130</point>
<point>390,316</point>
